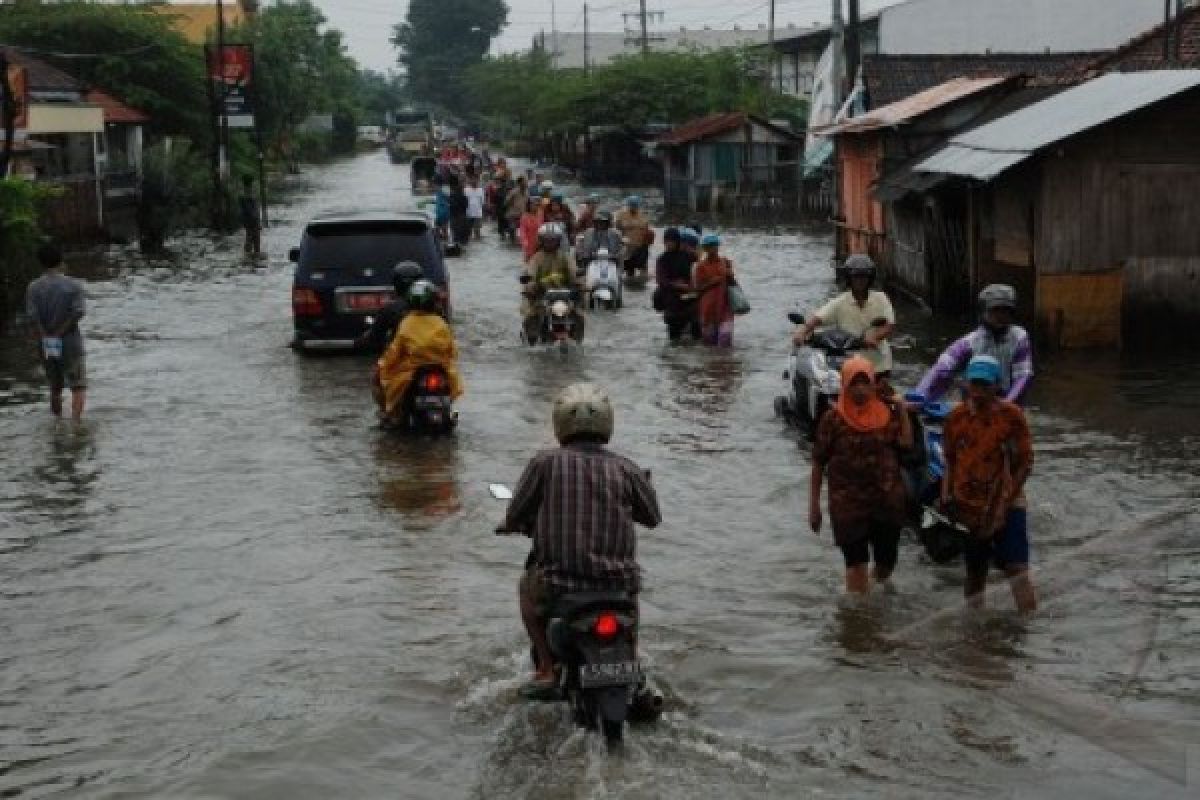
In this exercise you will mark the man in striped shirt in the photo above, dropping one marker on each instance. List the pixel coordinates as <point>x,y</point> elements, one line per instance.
<point>579,504</point>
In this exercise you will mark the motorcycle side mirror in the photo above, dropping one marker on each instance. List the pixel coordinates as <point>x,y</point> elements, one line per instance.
<point>294,255</point>
<point>500,491</point>
<point>525,279</point>
<point>795,317</point>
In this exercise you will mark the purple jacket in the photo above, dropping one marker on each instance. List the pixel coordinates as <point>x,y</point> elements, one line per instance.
<point>1013,350</point>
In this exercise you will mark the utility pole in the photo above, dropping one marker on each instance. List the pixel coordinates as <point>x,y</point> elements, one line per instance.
<point>853,44</point>
<point>587,43</point>
<point>8,111</point>
<point>554,33</point>
<point>771,59</point>
<point>645,30</point>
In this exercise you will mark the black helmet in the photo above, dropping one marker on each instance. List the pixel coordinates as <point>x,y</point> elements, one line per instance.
<point>671,235</point>
<point>998,295</point>
<point>404,275</point>
<point>603,216</point>
<point>422,296</point>
<point>859,264</point>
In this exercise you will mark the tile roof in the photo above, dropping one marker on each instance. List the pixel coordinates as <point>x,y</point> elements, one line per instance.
<point>987,151</point>
<point>715,125</point>
<point>890,78</point>
<point>116,112</point>
<point>912,107</point>
<point>40,76</point>
<point>1146,51</point>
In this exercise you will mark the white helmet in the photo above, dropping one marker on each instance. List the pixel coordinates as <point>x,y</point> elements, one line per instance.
<point>602,254</point>
<point>583,410</point>
<point>550,230</point>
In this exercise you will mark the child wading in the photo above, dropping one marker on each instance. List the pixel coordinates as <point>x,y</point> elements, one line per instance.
<point>858,444</point>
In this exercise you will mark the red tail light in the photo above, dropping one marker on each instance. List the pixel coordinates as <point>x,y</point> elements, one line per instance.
<point>607,625</point>
<point>433,382</point>
<point>305,303</point>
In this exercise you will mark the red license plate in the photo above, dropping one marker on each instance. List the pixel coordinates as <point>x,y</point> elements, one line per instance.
<point>367,302</point>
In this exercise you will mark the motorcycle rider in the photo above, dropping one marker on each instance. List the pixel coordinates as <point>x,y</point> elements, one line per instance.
<point>558,211</point>
<point>383,328</point>
<point>578,503</point>
<point>549,268</point>
<point>635,228</point>
<point>422,340</point>
<point>997,336</point>
<point>855,312</point>
<point>600,236</point>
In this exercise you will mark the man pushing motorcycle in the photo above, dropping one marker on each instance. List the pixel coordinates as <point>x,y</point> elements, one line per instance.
<point>579,504</point>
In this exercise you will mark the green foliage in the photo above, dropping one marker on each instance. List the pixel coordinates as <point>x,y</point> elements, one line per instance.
<point>146,63</point>
<point>440,40</point>
<point>526,94</point>
<point>176,192</point>
<point>19,237</point>
<point>378,94</point>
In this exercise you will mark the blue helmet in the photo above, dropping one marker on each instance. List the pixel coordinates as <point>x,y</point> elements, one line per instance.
<point>633,201</point>
<point>710,240</point>
<point>985,369</point>
<point>558,197</point>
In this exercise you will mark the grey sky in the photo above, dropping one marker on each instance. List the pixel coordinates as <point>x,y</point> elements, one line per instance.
<point>367,24</point>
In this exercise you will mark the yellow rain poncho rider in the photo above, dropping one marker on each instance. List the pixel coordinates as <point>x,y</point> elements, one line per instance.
<point>422,340</point>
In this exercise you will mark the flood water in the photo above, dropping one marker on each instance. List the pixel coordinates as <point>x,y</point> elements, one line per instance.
<point>230,584</point>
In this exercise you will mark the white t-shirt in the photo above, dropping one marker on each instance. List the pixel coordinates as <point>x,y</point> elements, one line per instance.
<point>845,313</point>
<point>474,201</point>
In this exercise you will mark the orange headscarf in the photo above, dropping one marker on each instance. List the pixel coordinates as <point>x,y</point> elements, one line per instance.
<point>872,415</point>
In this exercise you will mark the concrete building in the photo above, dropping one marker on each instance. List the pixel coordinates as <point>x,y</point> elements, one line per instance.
<point>198,21</point>
<point>568,49</point>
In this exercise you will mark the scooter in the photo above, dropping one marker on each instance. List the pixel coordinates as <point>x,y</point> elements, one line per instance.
<point>427,407</point>
<point>603,282</point>
<point>924,471</point>
<point>592,636</point>
<point>814,375</point>
<point>558,318</point>
<point>636,275</point>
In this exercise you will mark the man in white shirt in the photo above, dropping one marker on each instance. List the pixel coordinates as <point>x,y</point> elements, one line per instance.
<point>856,312</point>
<point>475,198</point>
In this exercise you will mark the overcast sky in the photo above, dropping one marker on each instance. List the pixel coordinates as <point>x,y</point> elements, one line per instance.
<point>367,24</point>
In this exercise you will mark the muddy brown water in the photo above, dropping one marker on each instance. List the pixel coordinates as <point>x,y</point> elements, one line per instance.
<point>229,583</point>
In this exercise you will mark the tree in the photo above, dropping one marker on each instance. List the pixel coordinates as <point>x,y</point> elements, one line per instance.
<point>440,40</point>
<point>138,56</point>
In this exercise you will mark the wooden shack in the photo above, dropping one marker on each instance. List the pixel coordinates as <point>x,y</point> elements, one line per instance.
<point>1084,200</point>
<point>730,161</point>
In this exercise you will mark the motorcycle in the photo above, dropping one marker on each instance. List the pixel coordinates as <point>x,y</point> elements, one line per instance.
<point>427,406</point>
<point>592,636</point>
<point>559,318</point>
<point>924,470</point>
<point>637,274</point>
<point>814,375</point>
<point>603,282</point>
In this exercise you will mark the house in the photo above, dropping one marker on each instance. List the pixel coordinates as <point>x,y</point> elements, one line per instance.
<point>729,161</point>
<point>1082,200</point>
<point>876,144</point>
<point>1173,43</point>
<point>86,142</point>
<point>198,21</point>
<point>797,54</point>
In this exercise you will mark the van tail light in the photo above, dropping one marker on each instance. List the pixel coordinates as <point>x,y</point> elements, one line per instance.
<point>606,625</point>
<point>434,382</point>
<point>305,303</point>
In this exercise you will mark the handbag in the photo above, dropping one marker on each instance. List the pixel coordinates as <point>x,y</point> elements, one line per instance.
<point>738,303</point>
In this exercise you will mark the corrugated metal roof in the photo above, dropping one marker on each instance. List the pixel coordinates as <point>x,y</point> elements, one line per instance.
<point>715,125</point>
<point>910,108</point>
<point>991,149</point>
<point>114,110</point>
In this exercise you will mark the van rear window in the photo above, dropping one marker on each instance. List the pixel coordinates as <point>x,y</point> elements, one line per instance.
<point>370,245</point>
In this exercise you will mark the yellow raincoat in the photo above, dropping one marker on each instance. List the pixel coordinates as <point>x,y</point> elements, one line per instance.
<point>423,339</point>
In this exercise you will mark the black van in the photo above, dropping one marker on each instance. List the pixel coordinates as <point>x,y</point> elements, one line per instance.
<point>344,272</point>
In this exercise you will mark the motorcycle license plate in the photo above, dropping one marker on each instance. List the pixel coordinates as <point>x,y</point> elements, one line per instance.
<point>620,673</point>
<point>426,402</point>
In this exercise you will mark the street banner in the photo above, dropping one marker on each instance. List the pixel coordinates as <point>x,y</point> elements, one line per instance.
<point>232,72</point>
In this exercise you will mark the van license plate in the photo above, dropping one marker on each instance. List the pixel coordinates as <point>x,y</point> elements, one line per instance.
<point>621,673</point>
<point>363,302</point>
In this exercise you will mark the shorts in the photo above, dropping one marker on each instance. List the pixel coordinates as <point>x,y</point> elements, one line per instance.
<point>880,544</point>
<point>1009,548</point>
<point>67,372</point>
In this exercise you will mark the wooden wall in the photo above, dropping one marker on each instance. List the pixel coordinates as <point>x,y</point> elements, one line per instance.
<point>859,162</point>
